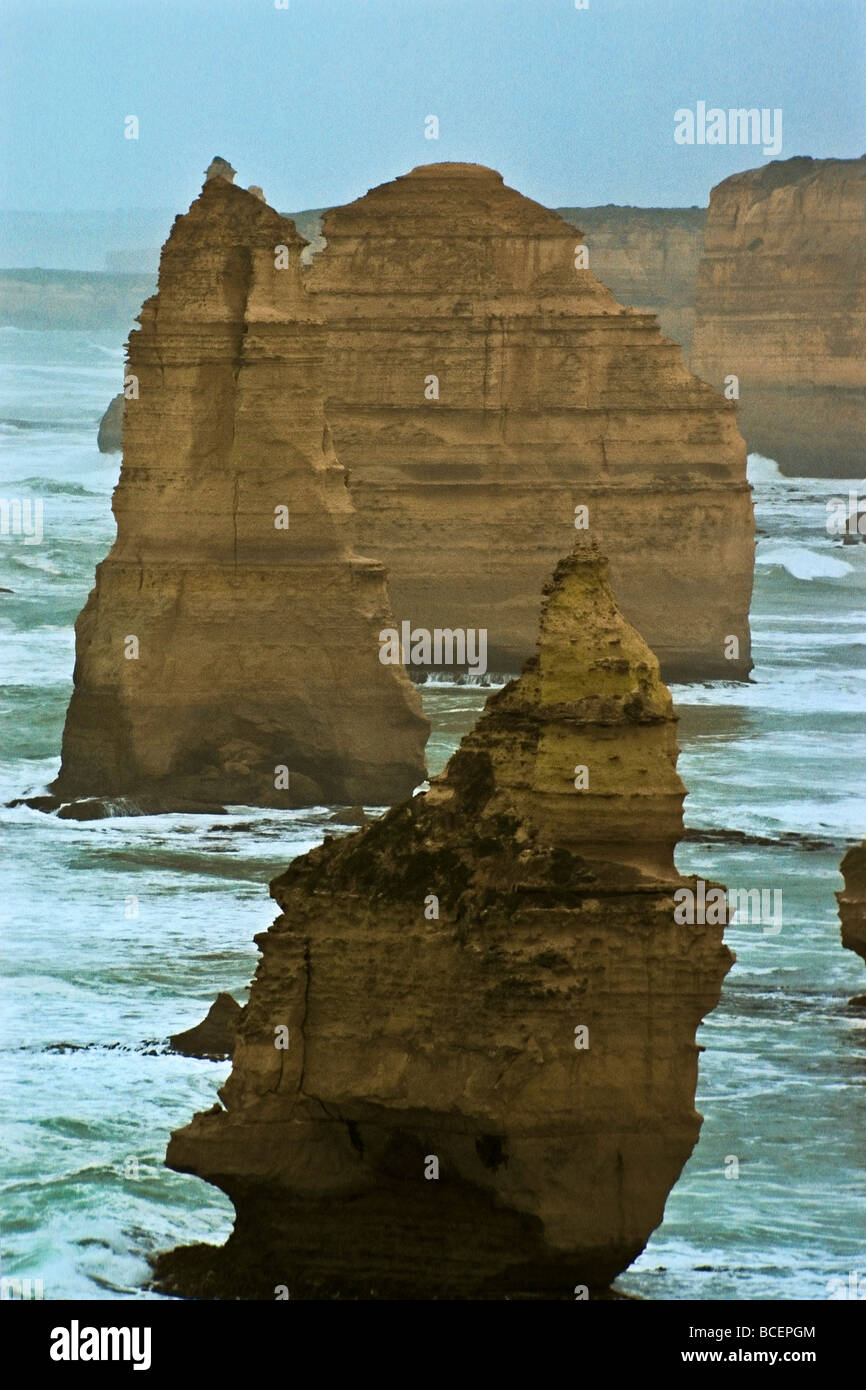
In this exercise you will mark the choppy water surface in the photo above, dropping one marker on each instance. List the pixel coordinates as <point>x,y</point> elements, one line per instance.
<point>117,933</point>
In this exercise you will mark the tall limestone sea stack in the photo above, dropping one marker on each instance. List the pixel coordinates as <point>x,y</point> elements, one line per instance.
<point>467,1066</point>
<point>229,651</point>
<point>483,386</point>
<point>781,304</point>
<point>487,394</point>
<point>109,437</point>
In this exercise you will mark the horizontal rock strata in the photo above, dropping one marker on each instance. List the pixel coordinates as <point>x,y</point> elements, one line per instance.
<point>229,651</point>
<point>781,303</point>
<point>489,1010</point>
<point>649,258</point>
<point>481,388</point>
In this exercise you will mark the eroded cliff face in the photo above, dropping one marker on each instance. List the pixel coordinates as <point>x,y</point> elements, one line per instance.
<point>229,651</point>
<point>481,388</point>
<point>649,258</point>
<point>489,1083</point>
<point>852,900</point>
<point>781,303</point>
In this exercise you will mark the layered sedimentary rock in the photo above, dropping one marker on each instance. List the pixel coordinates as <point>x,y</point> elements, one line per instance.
<point>649,258</point>
<point>482,388</point>
<point>229,650</point>
<point>852,900</point>
<point>781,303</point>
<point>468,1063</point>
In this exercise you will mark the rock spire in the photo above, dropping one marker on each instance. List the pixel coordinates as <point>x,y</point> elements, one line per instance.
<point>467,1066</point>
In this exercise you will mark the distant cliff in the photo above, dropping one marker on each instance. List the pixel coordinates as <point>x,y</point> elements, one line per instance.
<point>649,257</point>
<point>71,299</point>
<point>467,1067</point>
<point>89,299</point>
<point>781,304</point>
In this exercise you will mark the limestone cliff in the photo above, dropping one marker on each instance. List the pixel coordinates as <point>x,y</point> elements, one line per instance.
<point>649,258</point>
<point>229,650</point>
<point>852,900</point>
<point>781,303</point>
<point>490,1011</point>
<point>481,388</point>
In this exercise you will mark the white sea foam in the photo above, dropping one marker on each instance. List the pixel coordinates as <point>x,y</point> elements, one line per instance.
<point>802,563</point>
<point>490,681</point>
<point>762,470</point>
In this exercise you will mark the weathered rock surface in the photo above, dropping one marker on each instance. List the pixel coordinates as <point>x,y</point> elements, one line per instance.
<point>852,900</point>
<point>548,395</point>
<point>215,1035</point>
<point>229,651</point>
<point>109,438</point>
<point>649,258</point>
<point>781,303</point>
<point>447,1028</point>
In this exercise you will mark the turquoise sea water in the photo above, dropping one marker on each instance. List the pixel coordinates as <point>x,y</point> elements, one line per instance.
<point>117,933</point>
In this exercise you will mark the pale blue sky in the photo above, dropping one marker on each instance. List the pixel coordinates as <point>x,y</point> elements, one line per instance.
<point>325,99</point>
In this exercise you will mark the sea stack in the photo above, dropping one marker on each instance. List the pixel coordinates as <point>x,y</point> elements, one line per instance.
<point>229,650</point>
<point>781,304</point>
<point>467,1066</point>
<point>852,900</point>
<point>109,438</point>
<point>488,395</point>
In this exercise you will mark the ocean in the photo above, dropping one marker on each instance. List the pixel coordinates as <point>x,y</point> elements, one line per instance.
<point>117,933</point>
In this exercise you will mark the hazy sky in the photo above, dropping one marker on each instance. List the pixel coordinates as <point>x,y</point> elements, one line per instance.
<point>326,98</point>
